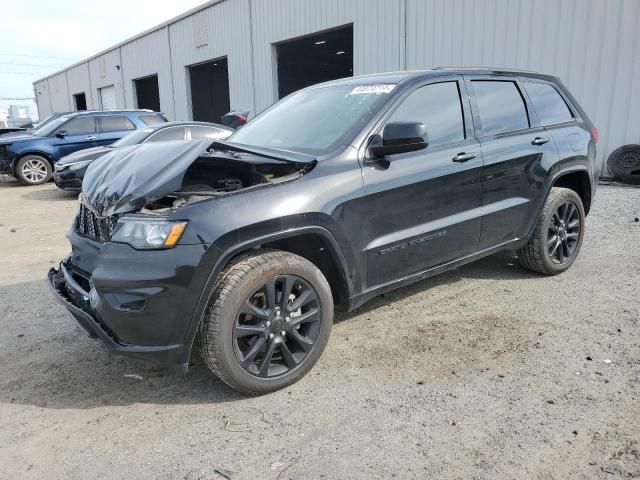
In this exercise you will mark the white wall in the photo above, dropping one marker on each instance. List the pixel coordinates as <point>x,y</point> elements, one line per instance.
<point>145,56</point>
<point>103,72</point>
<point>227,34</point>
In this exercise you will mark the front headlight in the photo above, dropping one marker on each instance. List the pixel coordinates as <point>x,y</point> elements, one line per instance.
<point>72,166</point>
<point>143,233</point>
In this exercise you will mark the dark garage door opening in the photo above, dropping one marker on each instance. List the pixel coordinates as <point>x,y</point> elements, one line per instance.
<point>147,93</point>
<point>80,100</point>
<point>313,59</point>
<point>209,90</point>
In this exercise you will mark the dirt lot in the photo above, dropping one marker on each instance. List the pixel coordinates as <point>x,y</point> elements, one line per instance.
<point>485,372</point>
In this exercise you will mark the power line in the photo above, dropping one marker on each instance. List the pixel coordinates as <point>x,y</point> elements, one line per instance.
<point>27,64</point>
<point>35,56</point>
<point>35,74</point>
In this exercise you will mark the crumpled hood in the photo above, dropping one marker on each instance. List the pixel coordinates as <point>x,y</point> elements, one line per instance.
<point>127,178</point>
<point>84,155</point>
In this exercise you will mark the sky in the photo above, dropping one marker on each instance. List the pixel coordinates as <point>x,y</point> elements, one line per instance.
<point>40,37</point>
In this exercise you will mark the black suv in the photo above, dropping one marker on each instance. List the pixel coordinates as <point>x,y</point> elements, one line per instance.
<point>336,194</point>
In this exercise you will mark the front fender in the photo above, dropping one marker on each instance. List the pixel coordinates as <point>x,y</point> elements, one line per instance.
<point>228,247</point>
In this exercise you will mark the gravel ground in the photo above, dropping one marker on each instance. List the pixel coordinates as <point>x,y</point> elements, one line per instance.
<point>485,372</point>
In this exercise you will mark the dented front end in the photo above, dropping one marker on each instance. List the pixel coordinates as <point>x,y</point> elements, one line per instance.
<point>142,244</point>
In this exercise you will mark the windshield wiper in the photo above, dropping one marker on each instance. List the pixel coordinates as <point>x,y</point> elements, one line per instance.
<point>286,155</point>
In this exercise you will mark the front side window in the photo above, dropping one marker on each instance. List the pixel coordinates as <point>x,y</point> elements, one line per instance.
<point>500,106</point>
<point>548,104</point>
<point>79,126</point>
<point>168,134</point>
<point>316,120</point>
<point>438,107</point>
<point>115,123</point>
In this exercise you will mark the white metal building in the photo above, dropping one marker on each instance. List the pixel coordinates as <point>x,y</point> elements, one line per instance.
<point>245,54</point>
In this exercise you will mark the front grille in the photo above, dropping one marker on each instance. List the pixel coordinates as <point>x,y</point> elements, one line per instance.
<point>98,229</point>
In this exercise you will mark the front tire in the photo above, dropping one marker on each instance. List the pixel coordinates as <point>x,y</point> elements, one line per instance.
<point>268,321</point>
<point>558,235</point>
<point>33,170</point>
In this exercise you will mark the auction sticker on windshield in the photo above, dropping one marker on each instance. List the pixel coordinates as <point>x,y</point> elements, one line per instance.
<point>379,88</point>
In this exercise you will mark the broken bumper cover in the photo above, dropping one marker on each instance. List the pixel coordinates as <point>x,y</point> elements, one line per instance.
<point>67,291</point>
<point>142,309</point>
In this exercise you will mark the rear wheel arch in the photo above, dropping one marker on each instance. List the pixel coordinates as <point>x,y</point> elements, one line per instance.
<point>579,182</point>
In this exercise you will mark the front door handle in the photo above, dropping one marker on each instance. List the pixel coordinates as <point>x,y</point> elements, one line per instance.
<point>463,156</point>
<point>90,137</point>
<point>539,140</point>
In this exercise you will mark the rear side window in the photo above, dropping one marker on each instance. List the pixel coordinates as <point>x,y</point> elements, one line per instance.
<point>438,107</point>
<point>500,106</point>
<point>79,126</point>
<point>548,104</point>
<point>199,132</point>
<point>116,123</point>
<point>152,119</point>
<point>167,134</point>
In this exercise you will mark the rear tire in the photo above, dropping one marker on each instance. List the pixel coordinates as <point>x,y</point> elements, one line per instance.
<point>256,337</point>
<point>33,170</point>
<point>558,234</point>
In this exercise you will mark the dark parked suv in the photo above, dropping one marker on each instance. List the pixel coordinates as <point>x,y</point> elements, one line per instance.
<point>31,157</point>
<point>336,194</point>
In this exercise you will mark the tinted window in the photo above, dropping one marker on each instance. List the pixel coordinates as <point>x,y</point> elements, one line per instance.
<point>79,126</point>
<point>116,123</point>
<point>133,138</point>
<point>501,107</point>
<point>166,134</point>
<point>548,104</point>
<point>315,120</point>
<point>152,119</point>
<point>438,107</point>
<point>199,132</point>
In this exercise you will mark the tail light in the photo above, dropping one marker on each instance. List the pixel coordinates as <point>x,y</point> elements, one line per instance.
<point>594,134</point>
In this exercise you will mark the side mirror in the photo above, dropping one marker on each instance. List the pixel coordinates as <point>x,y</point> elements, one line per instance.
<point>399,137</point>
<point>61,133</point>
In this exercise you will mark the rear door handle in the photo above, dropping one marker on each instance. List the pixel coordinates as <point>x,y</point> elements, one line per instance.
<point>463,156</point>
<point>539,140</point>
<point>90,137</point>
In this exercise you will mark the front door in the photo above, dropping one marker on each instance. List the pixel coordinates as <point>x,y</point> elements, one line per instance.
<point>79,133</point>
<point>424,208</point>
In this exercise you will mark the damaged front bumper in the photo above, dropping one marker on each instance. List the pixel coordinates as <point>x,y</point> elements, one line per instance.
<point>142,309</point>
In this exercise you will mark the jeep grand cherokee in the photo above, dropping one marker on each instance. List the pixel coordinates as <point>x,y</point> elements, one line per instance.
<point>336,194</point>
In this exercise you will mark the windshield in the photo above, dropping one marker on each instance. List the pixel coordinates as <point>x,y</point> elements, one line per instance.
<point>316,120</point>
<point>134,138</point>
<point>51,126</point>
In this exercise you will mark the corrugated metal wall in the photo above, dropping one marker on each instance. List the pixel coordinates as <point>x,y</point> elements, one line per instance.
<point>149,55</point>
<point>376,27</point>
<point>227,34</point>
<point>593,45</point>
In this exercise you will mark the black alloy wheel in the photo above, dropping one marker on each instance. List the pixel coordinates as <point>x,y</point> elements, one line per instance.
<point>564,232</point>
<point>277,326</point>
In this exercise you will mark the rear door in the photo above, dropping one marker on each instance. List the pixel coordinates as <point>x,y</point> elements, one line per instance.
<point>113,127</point>
<point>424,208</point>
<point>515,149</point>
<point>80,134</point>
